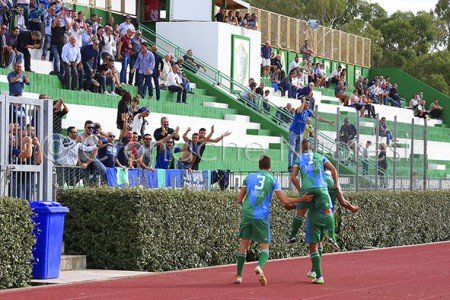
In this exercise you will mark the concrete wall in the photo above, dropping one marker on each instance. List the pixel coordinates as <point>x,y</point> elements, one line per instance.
<point>211,42</point>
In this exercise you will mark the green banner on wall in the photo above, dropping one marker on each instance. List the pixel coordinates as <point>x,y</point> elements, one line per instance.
<point>240,60</point>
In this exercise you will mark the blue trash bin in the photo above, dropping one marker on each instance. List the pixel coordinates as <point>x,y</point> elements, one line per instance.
<point>48,231</point>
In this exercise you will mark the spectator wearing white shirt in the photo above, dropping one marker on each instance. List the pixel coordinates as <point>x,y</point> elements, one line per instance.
<point>335,76</point>
<point>69,150</point>
<point>49,17</point>
<point>294,64</point>
<point>167,68</point>
<point>123,27</point>
<point>139,120</point>
<point>175,84</point>
<point>77,32</point>
<point>71,57</point>
<point>110,43</point>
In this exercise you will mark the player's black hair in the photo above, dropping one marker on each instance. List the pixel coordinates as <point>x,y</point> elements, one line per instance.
<point>264,162</point>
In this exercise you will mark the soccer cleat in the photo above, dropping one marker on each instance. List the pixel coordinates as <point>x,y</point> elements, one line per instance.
<point>318,281</point>
<point>291,240</point>
<point>260,273</point>
<point>238,279</point>
<point>334,245</point>
<point>311,274</point>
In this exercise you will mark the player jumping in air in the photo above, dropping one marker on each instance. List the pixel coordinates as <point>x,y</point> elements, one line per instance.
<point>255,196</point>
<point>312,167</point>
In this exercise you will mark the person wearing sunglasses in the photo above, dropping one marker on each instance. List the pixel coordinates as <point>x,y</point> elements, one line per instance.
<point>88,159</point>
<point>107,152</point>
<point>145,152</point>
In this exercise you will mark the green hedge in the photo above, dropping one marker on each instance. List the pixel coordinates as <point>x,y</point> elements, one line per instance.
<point>16,241</point>
<point>158,230</point>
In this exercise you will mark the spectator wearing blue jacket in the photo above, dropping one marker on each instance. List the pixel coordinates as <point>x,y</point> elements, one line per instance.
<point>89,59</point>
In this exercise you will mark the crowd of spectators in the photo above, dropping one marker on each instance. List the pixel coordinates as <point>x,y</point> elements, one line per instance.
<point>96,149</point>
<point>249,21</point>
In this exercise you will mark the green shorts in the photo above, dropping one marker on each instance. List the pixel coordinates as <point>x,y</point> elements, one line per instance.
<point>313,232</point>
<point>321,198</point>
<point>256,230</point>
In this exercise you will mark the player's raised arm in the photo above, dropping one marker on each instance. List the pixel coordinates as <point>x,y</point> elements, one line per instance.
<point>334,174</point>
<point>294,177</point>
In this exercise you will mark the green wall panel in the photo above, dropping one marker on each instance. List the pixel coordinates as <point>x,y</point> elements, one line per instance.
<point>351,75</point>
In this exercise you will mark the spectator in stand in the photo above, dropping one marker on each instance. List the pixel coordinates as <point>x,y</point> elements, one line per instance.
<point>203,140</point>
<point>110,43</point>
<point>145,152</point>
<point>220,16</point>
<point>17,80</point>
<point>309,131</point>
<point>11,48</point>
<point>189,152</point>
<point>139,121</point>
<point>28,40</point>
<point>260,90</point>
<point>339,92</point>
<point>88,36</point>
<point>306,52</point>
<point>382,165</point>
<point>386,89</point>
<point>165,130</point>
<point>136,42</point>
<point>123,107</point>
<point>49,18</point>
<point>89,59</point>
<point>71,57</point>
<point>106,76</point>
<point>111,21</point>
<point>365,99</point>
<point>21,22</point>
<point>167,68</point>
<point>348,134</point>
<point>93,22</point>
<point>77,32</point>
<point>275,79</point>
<point>165,156</point>
<point>124,53</point>
<point>249,95</point>
<point>320,75</point>
<point>335,76</point>
<point>413,102</point>
<point>57,43</point>
<point>383,131</point>
<point>436,109</point>
<point>294,85</point>
<point>190,63</point>
<point>420,110</point>
<point>107,152</point>
<point>3,43</point>
<point>60,109</point>
<point>238,17</point>
<point>365,154</point>
<point>266,52</point>
<point>393,93</point>
<point>144,68</point>
<point>307,92</point>
<point>265,102</point>
<point>297,128</point>
<point>275,63</point>
<point>253,22</point>
<point>376,93</point>
<point>294,64</point>
<point>356,102</point>
<point>286,113</point>
<point>245,20</point>
<point>125,26</point>
<point>88,159</point>
<point>69,150</point>
<point>359,85</point>
<point>285,83</point>
<point>159,65</point>
<point>100,36</point>
<point>175,84</point>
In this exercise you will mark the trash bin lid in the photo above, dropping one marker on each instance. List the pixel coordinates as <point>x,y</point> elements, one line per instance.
<point>48,207</point>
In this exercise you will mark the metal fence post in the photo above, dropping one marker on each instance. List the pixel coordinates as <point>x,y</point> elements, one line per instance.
<point>411,158</point>
<point>425,153</point>
<point>338,112</point>
<point>316,130</point>
<point>394,165</point>
<point>357,154</point>
<point>377,144</point>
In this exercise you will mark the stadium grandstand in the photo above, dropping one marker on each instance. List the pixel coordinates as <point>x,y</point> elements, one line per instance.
<point>162,96</point>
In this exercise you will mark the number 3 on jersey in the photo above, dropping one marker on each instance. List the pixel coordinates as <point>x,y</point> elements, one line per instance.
<point>261,180</point>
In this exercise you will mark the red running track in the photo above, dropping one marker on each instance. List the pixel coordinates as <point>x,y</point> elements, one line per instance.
<point>412,272</point>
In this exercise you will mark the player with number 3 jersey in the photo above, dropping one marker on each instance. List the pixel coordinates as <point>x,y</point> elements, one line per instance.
<point>255,196</point>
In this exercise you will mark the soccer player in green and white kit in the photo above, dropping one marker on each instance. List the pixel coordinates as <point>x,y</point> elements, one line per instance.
<point>255,196</point>
<point>312,167</point>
